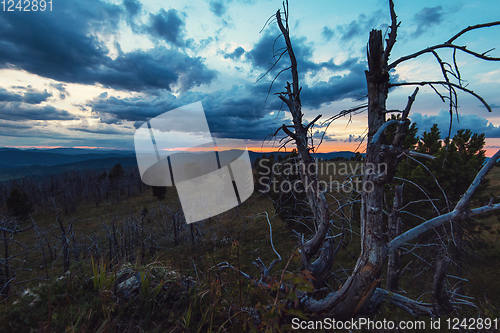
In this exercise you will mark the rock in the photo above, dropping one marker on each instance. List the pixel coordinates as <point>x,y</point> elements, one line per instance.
<point>129,285</point>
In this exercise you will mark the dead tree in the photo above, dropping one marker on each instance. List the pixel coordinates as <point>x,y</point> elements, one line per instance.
<point>394,230</point>
<point>8,227</point>
<point>360,292</point>
<point>65,246</point>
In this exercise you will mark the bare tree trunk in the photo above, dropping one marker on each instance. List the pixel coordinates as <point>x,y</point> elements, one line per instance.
<point>192,235</point>
<point>308,172</point>
<point>394,227</point>
<point>439,292</point>
<point>361,285</point>
<point>115,241</point>
<point>143,243</point>
<point>65,247</point>
<point>176,231</point>
<point>42,248</point>
<point>6,282</point>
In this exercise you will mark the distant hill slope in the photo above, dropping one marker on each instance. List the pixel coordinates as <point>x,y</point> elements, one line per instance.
<point>41,163</point>
<point>15,157</point>
<point>81,151</point>
<point>325,156</point>
<point>38,172</point>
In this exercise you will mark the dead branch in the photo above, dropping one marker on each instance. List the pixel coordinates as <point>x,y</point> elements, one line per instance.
<point>459,212</point>
<point>258,262</point>
<point>444,83</point>
<point>472,27</point>
<point>417,154</point>
<point>394,229</point>
<point>312,122</point>
<point>393,33</point>
<point>449,45</point>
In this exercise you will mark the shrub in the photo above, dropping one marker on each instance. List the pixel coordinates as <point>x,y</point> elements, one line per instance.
<point>18,203</point>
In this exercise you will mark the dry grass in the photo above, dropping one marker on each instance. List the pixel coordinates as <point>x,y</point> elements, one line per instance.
<point>248,228</point>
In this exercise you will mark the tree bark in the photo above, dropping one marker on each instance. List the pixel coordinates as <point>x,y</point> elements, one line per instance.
<point>308,172</point>
<point>394,227</point>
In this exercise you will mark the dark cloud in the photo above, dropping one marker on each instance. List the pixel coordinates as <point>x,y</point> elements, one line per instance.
<point>37,135</point>
<point>36,97</point>
<point>115,110</point>
<point>327,33</point>
<point>31,96</point>
<point>7,96</point>
<point>14,125</point>
<point>267,50</point>
<point>426,19</point>
<point>360,27</point>
<point>239,112</point>
<point>76,55</point>
<point>199,45</point>
<point>81,107</point>
<point>320,135</point>
<point>218,8</point>
<point>138,124</point>
<point>167,25</point>
<point>354,138</point>
<point>67,49</point>
<point>27,133</point>
<point>133,8</point>
<point>160,68</point>
<point>63,93</point>
<point>236,54</point>
<point>475,123</point>
<point>108,119</point>
<point>492,105</point>
<point>338,87</point>
<point>16,111</point>
<point>242,112</point>
<point>112,131</point>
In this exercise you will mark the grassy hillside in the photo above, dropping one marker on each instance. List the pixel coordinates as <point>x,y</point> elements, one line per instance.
<point>180,284</point>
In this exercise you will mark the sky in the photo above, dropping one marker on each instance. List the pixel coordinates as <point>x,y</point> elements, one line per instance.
<point>89,73</point>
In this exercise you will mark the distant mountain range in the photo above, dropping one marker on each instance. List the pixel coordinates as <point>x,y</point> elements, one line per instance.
<point>319,156</point>
<point>10,157</point>
<point>40,163</point>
